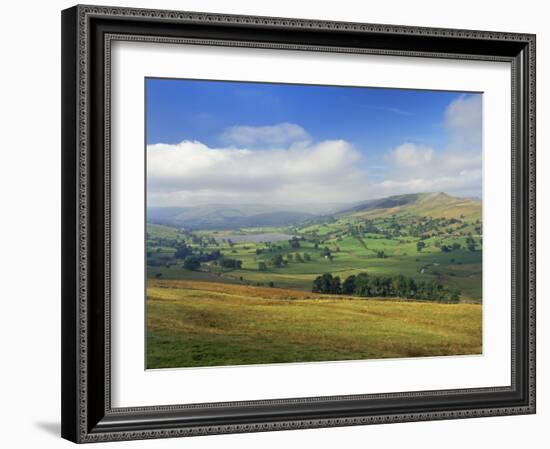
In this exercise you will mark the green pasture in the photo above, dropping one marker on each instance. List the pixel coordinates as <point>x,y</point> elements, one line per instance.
<point>460,269</point>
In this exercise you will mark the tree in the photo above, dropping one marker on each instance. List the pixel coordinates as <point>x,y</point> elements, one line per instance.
<point>335,285</point>
<point>183,251</point>
<point>348,286</point>
<point>192,263</point>
<point>326,252</point>
<point>298,258</point>
<point>420,245</point>
<point>319,284</point>
<point>307,257</point>
<point>362,285</point>
<point>294,242</point>
<point>433,291</point>
<point>376,286</point>
<point>226,262</point>
<point>277,261</point>
<point>470,243</point>
<point>290,257</point>
<point>400,286</point>
<point>262,266</point>
<point>411,288</point>
<point>454,295</point>
<point>326,284</point>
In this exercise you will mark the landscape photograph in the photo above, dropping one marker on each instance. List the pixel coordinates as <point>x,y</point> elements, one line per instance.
<point>293,223</point>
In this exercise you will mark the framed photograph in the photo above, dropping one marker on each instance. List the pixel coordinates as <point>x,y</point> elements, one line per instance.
<point>276,223</point>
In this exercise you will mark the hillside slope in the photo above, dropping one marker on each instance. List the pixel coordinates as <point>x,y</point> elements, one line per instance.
<point>435,205</point>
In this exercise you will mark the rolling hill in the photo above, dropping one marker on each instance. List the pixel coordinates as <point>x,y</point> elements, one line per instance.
<point>208,217</point>
<point>435,205</point>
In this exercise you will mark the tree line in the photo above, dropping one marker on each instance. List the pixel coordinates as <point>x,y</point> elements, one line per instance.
<point>368,285</point>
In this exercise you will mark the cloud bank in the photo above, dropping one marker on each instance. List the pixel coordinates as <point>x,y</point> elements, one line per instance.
<point>280,164</point>
<point>191,173</point>
<point>417,168</point>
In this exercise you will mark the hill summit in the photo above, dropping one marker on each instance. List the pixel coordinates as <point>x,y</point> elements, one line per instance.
<point>433,204</point>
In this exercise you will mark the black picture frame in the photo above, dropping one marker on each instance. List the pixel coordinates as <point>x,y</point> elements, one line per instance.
<point>87,414</point>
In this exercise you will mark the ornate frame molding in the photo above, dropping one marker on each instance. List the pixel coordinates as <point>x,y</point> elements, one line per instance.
<point>81,423</point>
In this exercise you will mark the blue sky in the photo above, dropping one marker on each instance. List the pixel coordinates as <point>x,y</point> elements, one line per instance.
<point>385,141</point>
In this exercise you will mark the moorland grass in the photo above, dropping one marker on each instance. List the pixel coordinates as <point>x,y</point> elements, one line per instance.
<point>197,324</point>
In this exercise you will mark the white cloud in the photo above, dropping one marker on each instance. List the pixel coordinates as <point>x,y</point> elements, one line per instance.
<point>463,118</point>
<point>273,135</point>
<point>193,173</point>
<point>418,168</point>
<point>409,160</point>
<point>411,155</point>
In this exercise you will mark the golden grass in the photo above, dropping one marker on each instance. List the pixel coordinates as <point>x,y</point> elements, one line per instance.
<point>193,323</point>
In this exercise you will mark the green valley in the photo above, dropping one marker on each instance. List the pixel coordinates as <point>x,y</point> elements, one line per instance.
<point>424,237</point>
<point>396,277</point>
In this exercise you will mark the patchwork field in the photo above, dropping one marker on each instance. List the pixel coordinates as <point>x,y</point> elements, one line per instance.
<point>425,237</point>
<point>192,323</point>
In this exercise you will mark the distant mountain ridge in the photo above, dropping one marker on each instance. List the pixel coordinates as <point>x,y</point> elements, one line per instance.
<point>435,204</point>
<point>224,217</point>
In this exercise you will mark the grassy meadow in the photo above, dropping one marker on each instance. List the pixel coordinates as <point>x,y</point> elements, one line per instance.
<point>197,323</point>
